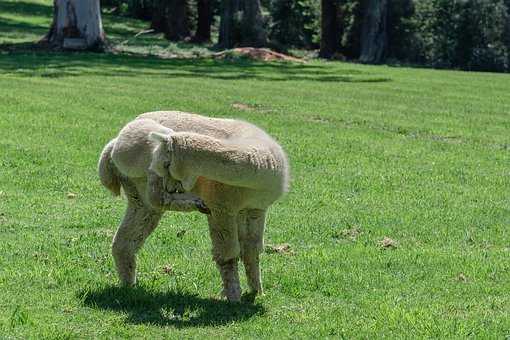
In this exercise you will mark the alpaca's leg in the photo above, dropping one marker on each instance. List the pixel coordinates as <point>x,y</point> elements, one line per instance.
<point>225,241</point>
<point>251,236</point>
<point>138,223</point>
<point>165,196</point>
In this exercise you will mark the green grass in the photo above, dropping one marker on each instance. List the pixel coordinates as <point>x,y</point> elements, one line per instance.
<point>420,156</point>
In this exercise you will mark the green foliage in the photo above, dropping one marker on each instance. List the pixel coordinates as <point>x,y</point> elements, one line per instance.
<point>485,32</point>
<point>295,23</point>
<point>468,34</point>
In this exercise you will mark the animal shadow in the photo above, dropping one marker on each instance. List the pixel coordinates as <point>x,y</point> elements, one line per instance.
<point>178,309</point>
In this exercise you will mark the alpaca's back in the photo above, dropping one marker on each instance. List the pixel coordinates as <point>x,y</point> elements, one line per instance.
<point>213,127</point>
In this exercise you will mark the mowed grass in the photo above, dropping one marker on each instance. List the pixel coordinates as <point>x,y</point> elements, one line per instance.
<point>418,156</point>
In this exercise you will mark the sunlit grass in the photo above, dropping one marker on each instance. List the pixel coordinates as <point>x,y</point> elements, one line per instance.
<point>417,156</point>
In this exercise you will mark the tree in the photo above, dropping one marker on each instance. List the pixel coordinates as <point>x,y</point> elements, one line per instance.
<point>242,24</point>
<point>253,32</point>
<point>172,17</point>
<point>401,30</point>
<point>227,31</point>
<point>295,23</point>
<point>352,23</point>
<point>204,21</point>
<point>374,35</point>
<point>76,25</point>
<point>177,17</point>
<point>330,28</point>
<point>158,15</point>
<point>140,9</point>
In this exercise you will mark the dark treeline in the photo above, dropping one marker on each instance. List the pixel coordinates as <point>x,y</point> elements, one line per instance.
<point>466,34</point>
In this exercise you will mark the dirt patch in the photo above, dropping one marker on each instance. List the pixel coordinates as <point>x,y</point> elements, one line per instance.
<point>261,54</point>
<point>168,269</point>
<point>388,243</point>
<point>348,234</point>
<point>462,277</point>
<point>279,249</point>
<point>252,107</point>
<point>243,107</point>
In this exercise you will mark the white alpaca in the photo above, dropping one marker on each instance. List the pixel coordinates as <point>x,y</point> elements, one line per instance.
<point>230,169</point>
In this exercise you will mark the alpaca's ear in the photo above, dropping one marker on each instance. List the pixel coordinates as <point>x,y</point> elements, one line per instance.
<point>159,137</point>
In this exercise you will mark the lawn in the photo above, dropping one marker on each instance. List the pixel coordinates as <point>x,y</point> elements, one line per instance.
<point>417,156</point>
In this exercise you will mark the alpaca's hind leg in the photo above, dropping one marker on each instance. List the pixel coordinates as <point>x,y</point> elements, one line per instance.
<point>138,223</point>
<point>225,241</point>
<point>251,236</point>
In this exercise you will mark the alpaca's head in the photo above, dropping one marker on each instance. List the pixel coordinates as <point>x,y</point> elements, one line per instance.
<point>161,156</point>
<point>163,161</point>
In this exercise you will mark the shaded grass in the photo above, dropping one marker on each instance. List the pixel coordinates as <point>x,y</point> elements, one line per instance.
<point>53,65</point>
<point>420,156</point>
<point>177,309</point>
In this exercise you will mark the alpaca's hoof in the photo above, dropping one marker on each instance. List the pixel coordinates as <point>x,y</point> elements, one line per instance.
<point>128,284</point>
<point>249,297</point>
<point>234,298</point>
<point>232,295</point>
<point>127,281</point>
<point>203,208</point>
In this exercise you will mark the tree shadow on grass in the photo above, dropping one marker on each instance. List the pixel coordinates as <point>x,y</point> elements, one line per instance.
<point>69,64</point>
<point>25,8</point>
<point>178,309</point>
<point>16,27</point>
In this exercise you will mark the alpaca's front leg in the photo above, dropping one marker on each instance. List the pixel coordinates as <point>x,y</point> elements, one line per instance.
<point>225,241</point>
<point>138,223</point>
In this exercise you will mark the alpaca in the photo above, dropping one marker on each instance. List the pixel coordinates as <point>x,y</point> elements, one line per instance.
<point>228,169</point>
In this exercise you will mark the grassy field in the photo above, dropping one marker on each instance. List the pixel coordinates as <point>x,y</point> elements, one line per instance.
<point>417,156</point>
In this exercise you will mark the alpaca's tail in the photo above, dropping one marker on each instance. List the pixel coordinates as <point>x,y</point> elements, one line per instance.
<point>107,171</point>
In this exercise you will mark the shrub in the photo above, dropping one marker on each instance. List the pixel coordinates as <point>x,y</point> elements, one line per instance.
<point>468,34</point>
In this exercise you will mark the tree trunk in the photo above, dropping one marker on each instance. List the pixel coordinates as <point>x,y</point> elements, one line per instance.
<point>76,25</point>
<point>374,35</point>
<point>158,15</point>
<point>228,9</point>
<point>242,24</point>
<point>177,17</point>
<point>351,34</point>
<point>330,29</point>
<point>253,32</point>
<point>204,21</point>
<point>141,9</point>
